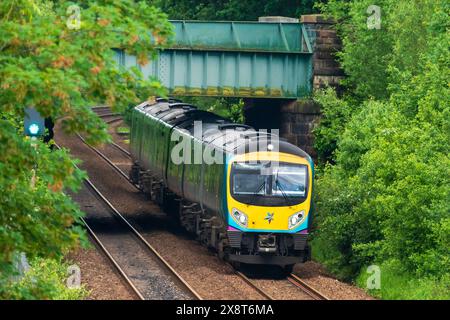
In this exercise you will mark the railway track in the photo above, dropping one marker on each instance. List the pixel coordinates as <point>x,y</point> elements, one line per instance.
<point>302,285</point>
<point>104,112</point>
<point>140,241</point>
<point>109,121</point>
<point>264,294</point>
<point>113,261</point>
<point>254,286</point>
<point>293,279</point>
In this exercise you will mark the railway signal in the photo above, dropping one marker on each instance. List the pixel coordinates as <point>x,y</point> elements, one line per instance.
<point>34,123</point>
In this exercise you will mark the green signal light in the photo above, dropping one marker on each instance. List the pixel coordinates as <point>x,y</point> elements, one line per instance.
<point>33,129</point>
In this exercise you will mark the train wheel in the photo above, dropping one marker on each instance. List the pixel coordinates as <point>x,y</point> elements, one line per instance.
<point>223,248</point>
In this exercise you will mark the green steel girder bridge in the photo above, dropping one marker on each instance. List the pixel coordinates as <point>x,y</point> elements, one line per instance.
<point>235,59</point>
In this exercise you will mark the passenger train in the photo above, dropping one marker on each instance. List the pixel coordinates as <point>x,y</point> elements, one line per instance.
<point>245,193</point>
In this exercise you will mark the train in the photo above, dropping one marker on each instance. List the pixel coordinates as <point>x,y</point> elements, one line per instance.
<point>245,193</point>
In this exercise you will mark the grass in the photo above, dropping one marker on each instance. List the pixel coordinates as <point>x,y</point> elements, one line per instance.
<point>395,283</point>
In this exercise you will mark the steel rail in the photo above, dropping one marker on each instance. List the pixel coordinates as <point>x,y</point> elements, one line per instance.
<point>113,120</point>
<point>144,241</point>
<point>128,224</point>
<point>254,286</point>
<point>109,256</point>
<point>302,285</point>
<point>110,114</point>
<point>113,261</point>
<point>124,151</point>
<point>112,164</point>
<point>127,153</point>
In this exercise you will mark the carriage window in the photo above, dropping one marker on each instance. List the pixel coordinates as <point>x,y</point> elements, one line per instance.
<point>289,181</point>
<point>247,179</point>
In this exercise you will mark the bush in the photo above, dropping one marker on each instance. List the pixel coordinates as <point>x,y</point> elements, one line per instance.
<point>46,280</point>
<point>387,196</point>
<point>397,284</point>
<point>336,113</point>
<point>385,200</point>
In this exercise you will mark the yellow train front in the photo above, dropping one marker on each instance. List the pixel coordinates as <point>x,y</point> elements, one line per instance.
<point>268,201</point>
<point>244,193</point>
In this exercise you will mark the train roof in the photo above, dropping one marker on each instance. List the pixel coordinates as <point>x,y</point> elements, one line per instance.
<point>216,131</point>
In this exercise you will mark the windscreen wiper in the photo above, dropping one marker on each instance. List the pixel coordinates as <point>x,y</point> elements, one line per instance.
<point>262,186</point>
<point>285,196</point>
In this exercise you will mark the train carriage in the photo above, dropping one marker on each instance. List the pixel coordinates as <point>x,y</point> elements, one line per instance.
<point>237,193</point>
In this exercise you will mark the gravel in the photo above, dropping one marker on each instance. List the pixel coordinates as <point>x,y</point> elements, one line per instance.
<point>146,272</point>
<point>316,276</point>
<point>99,276</point>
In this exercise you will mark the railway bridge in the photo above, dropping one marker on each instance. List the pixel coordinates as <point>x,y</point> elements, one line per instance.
<point>273,64</point>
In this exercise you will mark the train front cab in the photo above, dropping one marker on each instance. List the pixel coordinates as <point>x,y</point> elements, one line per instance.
<point>269,210</point>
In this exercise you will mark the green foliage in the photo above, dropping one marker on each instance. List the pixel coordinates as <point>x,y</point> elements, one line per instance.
<point>39,219</point>
<point>230,108</point>
<point>372,58</point>
<point>62,72</point>
<point>386,199</point>
<point>123,130</point>
<point>396,284</point>
<point>335,114</point>
<point>235,10</point>
<point>46,280</point>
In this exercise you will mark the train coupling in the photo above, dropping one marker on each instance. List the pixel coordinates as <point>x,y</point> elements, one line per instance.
<point>267,243</point>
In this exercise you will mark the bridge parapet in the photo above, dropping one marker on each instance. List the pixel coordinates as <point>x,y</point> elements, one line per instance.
<point>249,36</point>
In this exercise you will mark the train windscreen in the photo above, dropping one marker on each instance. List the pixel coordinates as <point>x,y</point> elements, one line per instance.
<point>269,184</point>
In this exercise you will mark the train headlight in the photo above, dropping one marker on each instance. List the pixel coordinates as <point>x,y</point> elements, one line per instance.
<point>296,219</point>
<point>240,217</point>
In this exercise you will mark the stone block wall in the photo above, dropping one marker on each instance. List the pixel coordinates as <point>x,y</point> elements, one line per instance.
<point>297,122</point>
<point>325,43</point>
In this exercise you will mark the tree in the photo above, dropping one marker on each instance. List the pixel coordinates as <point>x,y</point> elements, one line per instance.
<point>62,63</point>
<point>235,10</point>
<point>385,200</point>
